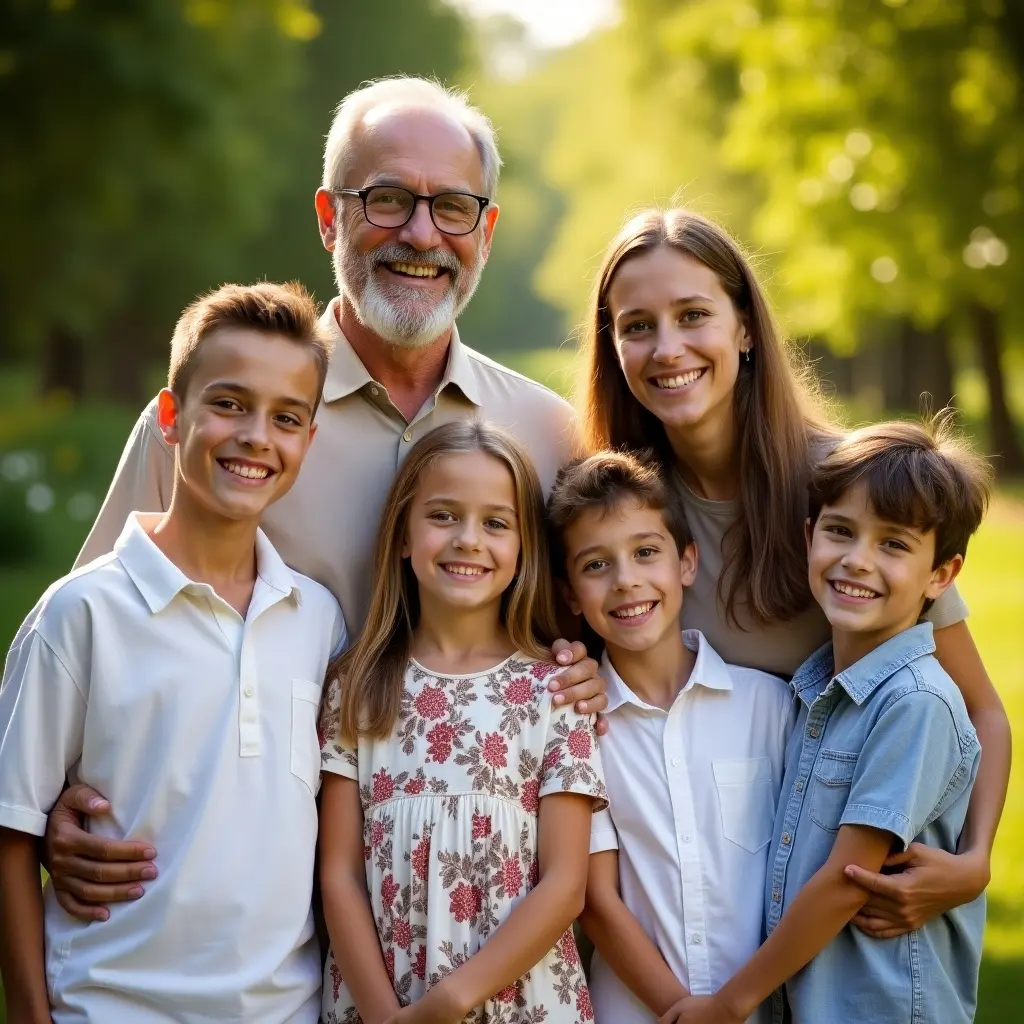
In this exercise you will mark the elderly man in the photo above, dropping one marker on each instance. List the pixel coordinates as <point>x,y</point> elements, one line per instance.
<point>407,210</point>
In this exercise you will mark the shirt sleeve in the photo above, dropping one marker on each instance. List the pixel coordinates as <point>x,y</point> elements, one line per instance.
<point>949,609</point>
<point>336,755</point>
<point>915,763</point>
<point>572,761</point>
<point>42,719</point>
<point>142,482</point>
<point>602,832</point>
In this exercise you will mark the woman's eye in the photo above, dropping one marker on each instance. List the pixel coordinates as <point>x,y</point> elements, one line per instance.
<point>442,517</point>
<point>637,327</point>
<point>495,524</point>
<point>597,563</point>
<point>692,316</point>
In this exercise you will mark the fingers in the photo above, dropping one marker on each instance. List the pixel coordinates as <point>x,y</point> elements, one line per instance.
<point>580,684</point>
<point>895,860</point>
<point>107,874</point>
<point>83,799</point>
<point>566,653</point>
<point>884,885</point>
<point>878,927</point>
<point>601,725</point>
<point>70,842</point>
<point>82,911</point>
<point>91,893</point>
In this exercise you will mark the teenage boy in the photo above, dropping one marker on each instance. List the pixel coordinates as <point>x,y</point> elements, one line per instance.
<point>180,675</point>
<point>883,753</point>
<point>694,754</point>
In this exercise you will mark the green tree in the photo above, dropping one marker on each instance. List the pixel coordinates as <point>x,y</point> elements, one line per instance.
<point>144,150</point>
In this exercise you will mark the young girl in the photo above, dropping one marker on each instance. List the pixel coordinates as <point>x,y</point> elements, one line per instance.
<point>453,790</point>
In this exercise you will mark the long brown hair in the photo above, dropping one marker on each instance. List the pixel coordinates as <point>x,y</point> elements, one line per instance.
<point>774,407</point>
<point>373,668</point>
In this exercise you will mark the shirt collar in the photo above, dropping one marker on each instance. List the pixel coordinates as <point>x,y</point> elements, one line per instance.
<point>708,670</point>
<point>346,373</point>
<point>863,677</point>
<point>159,580</point>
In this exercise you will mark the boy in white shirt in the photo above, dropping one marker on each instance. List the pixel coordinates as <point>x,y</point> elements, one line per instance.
<point>693,756</point>
<point>181,676</point>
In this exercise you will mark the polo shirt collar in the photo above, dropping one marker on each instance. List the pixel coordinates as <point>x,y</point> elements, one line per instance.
<point>708,670</point>
<point>863,677</point>
<point>159,580</point>
<point>346,373</point>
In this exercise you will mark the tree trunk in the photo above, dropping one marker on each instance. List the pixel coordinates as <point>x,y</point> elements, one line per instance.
<point>129,350</point>
<point>1003,439</point>
<point>918,362</point>
<point>63,363</point>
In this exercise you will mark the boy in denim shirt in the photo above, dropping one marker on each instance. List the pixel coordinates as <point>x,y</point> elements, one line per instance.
<point>883,753</point>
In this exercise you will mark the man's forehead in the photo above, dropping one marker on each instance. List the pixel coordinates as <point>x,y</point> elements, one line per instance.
<point>401,140</point>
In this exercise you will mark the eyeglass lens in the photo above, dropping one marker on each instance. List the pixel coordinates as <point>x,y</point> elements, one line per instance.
<point>391,207</point>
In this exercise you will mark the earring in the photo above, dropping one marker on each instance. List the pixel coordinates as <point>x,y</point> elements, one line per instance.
<point>746,355</point>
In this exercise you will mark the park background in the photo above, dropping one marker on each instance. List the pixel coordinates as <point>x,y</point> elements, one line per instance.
<point>869,153</point>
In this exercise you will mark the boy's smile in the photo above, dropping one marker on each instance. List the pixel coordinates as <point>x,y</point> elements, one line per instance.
<point>245,422</point>
<point>871,577</point>
<point>626,575</point>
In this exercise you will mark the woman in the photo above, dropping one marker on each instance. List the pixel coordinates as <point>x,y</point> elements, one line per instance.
<point>684,357</point>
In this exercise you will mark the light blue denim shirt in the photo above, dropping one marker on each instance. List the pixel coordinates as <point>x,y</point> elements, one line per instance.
<point>887,743</point>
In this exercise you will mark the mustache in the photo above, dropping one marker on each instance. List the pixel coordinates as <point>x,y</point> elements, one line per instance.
<point>399,252</point>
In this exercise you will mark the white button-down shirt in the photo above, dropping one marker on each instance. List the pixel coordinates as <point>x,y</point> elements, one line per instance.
<point>200,728</point>
<point>692,794</point>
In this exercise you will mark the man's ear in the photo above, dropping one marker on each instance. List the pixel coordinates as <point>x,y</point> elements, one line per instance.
<point>326,215</point>
<point>688,561</point>
<point>490,219</point>
<point>943,576</point>
<point>568,596</point>
<point>167,410</point>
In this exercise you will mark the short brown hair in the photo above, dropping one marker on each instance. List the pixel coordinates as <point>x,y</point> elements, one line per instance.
<point>285,309</point>
<point>919,475</point>
<point>604,481</point>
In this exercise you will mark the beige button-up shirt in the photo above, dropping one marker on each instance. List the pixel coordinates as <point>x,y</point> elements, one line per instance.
<point>326,526</point>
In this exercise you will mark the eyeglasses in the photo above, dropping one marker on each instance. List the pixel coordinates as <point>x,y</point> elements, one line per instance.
<point>390,206</point>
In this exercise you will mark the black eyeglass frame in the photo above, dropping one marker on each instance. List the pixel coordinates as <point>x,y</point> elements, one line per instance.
<point>362,193</point>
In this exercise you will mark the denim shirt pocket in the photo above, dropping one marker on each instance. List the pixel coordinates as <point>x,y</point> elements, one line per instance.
<point>830,792</point>
<point>746,799</point>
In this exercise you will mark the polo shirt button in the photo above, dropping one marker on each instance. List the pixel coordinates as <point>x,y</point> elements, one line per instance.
<point>786,839</point>
<point>776,896</point>
<point>698,939</point>
<point>248,691</point>
<point>687,839</point>
<point>813,732</point>
<point>407,436</point>
<point>375,391</point>
<point>799,785</point>
<point>675,762</point>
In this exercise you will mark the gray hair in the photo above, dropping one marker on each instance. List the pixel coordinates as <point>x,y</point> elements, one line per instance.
<point>405,89</point>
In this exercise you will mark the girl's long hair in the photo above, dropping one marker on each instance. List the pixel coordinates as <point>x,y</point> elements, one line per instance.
<point>373,668</point>
<point>775,409</point>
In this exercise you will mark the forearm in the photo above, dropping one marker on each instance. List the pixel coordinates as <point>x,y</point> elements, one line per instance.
<point>356,946</point>
<point>523,940</point>
<point>825,905</point>
<point>990,785</point>
<point>630,953</point>
<point>22,956</point>
<point>958,655</point>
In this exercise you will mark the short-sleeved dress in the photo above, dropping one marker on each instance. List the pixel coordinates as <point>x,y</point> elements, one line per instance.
<point>450,802</point>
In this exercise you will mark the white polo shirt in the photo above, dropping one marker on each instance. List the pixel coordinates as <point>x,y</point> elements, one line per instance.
<point>200,728</point>
<point>692,793</point>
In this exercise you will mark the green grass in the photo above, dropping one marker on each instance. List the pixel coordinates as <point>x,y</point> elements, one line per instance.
<point>79,450</point>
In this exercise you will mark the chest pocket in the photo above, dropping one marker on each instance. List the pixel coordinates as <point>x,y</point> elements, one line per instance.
<point>830,792</point>
<point>305,745</point>
<point>746,800</point>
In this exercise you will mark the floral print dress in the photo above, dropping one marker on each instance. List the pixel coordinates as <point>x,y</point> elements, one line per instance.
<point>450,802</point>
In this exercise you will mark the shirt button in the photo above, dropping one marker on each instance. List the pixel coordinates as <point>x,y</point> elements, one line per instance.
<point>248,691</point>
<point>813,732</point>
<point>375,391</point>
<point>687,839</point>
<point>799,785</point>
<point>675,762</point>
<point>776,896</point>
<point>407,436</point>
<point>786,839</point>
<point>698,939</point>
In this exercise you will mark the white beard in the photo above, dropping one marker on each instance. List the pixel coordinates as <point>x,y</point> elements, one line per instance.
<point>406,324</point>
